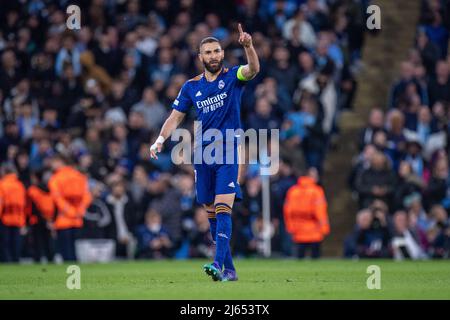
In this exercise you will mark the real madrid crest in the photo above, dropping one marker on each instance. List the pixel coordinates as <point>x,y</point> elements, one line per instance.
<point>221,84</point>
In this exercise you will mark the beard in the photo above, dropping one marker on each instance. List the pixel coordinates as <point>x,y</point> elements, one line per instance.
<point>213,69</point>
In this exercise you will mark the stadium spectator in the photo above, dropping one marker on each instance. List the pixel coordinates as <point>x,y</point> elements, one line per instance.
<point>396,138</point>
<point>42,214</point>
<point>123,219</point>
<point>305,213</point>
<point>375,182</point>
<point>22,164</point>
<point>413,204</point>
<point>306,63</point>
<point>429,52</point>
<point>370,238</point>
<point>408,183</point>
<point>436,191</point>
<point>439,85</point>
<point>153,239</point>
<point>437,33</point>
<point>153,111</point>
<point>69,54</point>
<point>70,192</point>
<point>404,243</point>
<point>376,123</point>
<point>413,156</point>
<point>11,137</point>
<point>97,216</point>
<point>363,222</point>
<point>263,117</point>
<point>439,233</point>
<point>298,27</point>
<point>282,71</point>
<point>360,163</point>
<point>399,87</point>
<point>11,72</point>
<point>12,214</point>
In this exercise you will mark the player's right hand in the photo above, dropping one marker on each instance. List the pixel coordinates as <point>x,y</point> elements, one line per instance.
<point>154,149</point>
<point>245,39</point>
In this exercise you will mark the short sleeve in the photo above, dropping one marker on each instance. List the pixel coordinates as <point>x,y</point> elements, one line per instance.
<point>182,102</point>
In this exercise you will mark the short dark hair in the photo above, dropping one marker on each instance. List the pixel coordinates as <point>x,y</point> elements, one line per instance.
<point>207,40</point>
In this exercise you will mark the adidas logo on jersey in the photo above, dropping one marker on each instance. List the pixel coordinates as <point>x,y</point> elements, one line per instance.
<point>231,184</point>
<point>198,94</point>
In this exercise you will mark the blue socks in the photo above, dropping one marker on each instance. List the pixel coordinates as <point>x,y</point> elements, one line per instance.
<point>221,228</point>
<point>228,263</point>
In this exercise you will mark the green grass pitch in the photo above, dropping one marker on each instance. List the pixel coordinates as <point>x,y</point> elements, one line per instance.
<point>259,279</point>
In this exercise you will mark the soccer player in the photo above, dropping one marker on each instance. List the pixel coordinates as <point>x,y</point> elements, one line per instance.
<point>216,95</point>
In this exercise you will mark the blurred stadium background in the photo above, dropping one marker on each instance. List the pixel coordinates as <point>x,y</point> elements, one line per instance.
<point>364,114</point>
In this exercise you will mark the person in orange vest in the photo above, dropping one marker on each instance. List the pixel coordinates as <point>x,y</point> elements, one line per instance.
<point>70,191</point>
<point>12,214</point>
<point>305,214</point>
<point>41,216</point>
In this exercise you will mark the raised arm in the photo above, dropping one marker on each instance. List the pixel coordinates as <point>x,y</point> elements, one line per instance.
<point>251,69</point>
<point>171,123</point>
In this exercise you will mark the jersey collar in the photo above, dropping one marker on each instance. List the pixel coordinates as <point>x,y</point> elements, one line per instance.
<point>220,73</point>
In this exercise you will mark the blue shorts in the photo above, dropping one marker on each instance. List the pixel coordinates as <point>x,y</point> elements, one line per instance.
<point>214,179</point>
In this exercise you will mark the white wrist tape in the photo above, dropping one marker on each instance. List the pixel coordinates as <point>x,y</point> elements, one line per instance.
<point>154,146</point>
<point>160,140</point>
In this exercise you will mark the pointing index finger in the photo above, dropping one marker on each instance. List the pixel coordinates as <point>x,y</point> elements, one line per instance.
<point>240,29</point>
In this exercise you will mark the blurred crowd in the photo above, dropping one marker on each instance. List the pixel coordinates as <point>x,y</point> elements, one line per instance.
<point>93,99</point>
<point>401,176</point>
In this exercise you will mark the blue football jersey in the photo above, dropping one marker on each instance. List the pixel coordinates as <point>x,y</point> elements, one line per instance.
<point>217,102</point>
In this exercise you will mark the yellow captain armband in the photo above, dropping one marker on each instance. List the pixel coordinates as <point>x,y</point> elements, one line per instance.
<point>239,74</point>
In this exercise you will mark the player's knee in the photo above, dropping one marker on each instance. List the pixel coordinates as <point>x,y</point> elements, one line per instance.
<point>227,199</point>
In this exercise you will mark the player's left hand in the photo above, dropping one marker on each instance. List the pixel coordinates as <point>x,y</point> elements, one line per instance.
<point>245,39</point>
